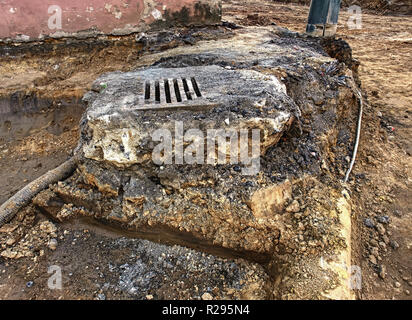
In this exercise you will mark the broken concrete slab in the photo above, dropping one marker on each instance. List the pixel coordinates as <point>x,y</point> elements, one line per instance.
<point>126,109</point>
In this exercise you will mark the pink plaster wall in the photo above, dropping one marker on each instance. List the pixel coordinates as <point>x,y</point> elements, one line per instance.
<point>29,19</point>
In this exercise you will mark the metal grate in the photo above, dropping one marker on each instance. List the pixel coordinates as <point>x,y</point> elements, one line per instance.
<point>171,91</point>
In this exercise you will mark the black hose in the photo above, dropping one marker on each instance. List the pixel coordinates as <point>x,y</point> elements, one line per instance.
<point>22,198</point>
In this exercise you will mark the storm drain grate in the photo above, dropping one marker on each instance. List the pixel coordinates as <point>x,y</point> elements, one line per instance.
<point>171,91</point>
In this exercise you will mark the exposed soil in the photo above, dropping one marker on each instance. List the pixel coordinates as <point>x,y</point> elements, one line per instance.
<point>380,181</point>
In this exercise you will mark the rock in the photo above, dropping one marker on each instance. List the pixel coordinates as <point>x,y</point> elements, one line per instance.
<point>397,284</point>
<point>52,244</point>
<point>48,227</point>
<point>369,223</point>
<point>373,242</point>
<point>372,259</point>
<point>381,229</point>
<point>7,228</point>
<point>265,201</point>
<point>207,296</point>
<point>9,254</point>
<point>294,207</point>
<point>407,292</point>
<point>189,40</point>
<point>149,297</point>
<point>101,296</point>
<point>10,241</point>
<point>375,251</point>
<point>383,219</point>
<point>394,244</point>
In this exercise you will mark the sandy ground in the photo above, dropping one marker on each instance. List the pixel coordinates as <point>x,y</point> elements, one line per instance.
<point>382,187</point>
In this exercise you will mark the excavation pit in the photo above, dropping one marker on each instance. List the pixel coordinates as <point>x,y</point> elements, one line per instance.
<point>282,85</point>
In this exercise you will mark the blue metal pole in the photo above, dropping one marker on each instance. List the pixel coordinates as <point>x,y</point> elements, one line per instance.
<point>323,17</point>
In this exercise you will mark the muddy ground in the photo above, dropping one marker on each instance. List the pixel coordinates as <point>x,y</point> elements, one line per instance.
<point>381,175</point>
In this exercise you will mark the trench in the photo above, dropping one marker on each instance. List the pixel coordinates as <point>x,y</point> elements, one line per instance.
<point>163,235</point>
<point>167,236</point>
